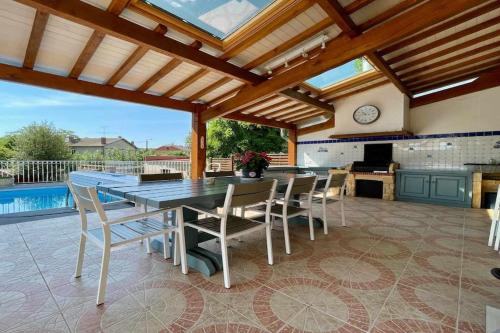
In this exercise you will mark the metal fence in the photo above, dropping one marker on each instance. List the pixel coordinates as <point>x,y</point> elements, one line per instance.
<point>57,171</point>
<point>227,163</point>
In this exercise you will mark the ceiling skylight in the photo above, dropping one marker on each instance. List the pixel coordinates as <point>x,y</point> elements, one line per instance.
<point>219,18</point>
<point>449,86</point>
<point>345,71</point>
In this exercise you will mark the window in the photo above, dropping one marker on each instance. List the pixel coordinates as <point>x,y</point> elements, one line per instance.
<point>219,18</point>
<point>345,71</point>
<point>449,86</point>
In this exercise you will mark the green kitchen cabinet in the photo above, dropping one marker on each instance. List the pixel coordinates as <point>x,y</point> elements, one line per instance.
<point>452,188</point>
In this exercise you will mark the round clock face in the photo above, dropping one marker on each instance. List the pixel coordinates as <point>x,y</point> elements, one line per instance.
<point>366,114</point>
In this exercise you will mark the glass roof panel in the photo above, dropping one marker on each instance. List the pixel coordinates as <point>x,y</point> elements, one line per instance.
<point>345,71</point>
<point>219,18</point>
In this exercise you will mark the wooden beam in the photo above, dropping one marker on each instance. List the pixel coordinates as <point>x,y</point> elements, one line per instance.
<point>225,96</point>
<point>357,91</point>
<point>380,63</point>
<point>294,109</point>
<point>445,40</point>
<point>338,52</point>
<point>292,146</point>
<point>255,120</point>
<point>356,5</point>
<point>22,75</point>
<point>108,23</point>
<point>485,81</point>
<point>258,29</point>
<point>296,114</point>
<point>274,108</point>
<point>208,89</point>
<point>133,59</point>
<point>441,27</point>
<point>447,51</point>
<point>117,6</point>
<point>305,117</point>
<point>170,66</point>
<point>305,99</point>
<point>327,124</point>
<point>355,81</point>
<point>388,14</point>
<point>308,33</point>
<point>36,36</point>
<point>198,145</point>
<point>186,82</point>
<point>273,99</point>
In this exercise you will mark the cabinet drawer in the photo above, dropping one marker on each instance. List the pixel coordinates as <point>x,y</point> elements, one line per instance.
<point>450,188</point>
<point>414,185</point>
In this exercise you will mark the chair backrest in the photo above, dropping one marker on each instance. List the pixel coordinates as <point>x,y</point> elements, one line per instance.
<point>87,199</point>
<point>209,174</point>
<point>335,180</point>
<point>154,177</point>
<point>301,185</point>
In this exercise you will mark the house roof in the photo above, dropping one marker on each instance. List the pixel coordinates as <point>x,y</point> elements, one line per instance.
<point>170,148</point>
<point>97,142</point>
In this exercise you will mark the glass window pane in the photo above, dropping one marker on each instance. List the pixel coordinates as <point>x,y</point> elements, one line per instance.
<point>345,71</point>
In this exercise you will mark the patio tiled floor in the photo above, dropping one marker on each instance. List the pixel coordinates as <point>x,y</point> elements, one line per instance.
<point>397,267</point>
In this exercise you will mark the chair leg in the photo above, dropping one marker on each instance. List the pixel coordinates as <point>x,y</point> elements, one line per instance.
<point>269,242</point>
<point>311,224</point>
<point>181,240</point>
<point>81,254</point>
<point>493,230</point>
<point>148,245</point>
<point>342,212</point>
<point>225,263</point>
<point>166,247</point>
<point>497,239</point>
<point>325,222</point>
<point>176,249</point>
<point>103,279</point>
<point>287,236</point>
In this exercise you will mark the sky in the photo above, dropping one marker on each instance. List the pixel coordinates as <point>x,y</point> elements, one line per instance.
<point>87,116</point>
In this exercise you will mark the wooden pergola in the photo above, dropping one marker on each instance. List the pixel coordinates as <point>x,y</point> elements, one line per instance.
<point>132,51</point>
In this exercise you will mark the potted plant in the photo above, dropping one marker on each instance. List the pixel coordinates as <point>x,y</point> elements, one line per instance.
<point>6,181</point>
<point>252,163</point>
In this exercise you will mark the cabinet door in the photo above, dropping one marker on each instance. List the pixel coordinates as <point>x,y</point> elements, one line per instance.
<point>450,188</point>
<point>414,185</point>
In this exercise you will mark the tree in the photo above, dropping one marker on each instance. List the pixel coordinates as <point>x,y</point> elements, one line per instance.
<point>41,141</point>
<point>227,137</point>
<point>6,147</point>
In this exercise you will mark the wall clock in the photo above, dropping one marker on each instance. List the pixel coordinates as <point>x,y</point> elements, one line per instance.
<point>366,114</point>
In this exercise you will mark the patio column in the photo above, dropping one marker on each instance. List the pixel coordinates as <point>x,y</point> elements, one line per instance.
<point>198,145</point>
<point>292,146</point>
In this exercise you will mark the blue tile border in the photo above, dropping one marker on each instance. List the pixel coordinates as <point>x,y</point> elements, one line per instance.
<point>401,137</point>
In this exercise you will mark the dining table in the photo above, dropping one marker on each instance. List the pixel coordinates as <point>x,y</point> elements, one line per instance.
<point>206,193</point>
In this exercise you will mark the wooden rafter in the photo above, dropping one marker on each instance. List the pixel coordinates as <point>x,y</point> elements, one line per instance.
<point>445,40</point>
<point>302,117</point>
<point>170,66</point>
<point>487,80</point>
<point>305,99</point>
<point>327,124</point>
<point>186,82</point>
<point>108,23</point>
<point>133,59</point>
<point>219,99</point>
<point>447,51</point>
<point>296,114</point>
<point>208,89</point>
<point>388,14</point>
<point>357,91</point>
<point>46,80</point>
<point>35,40</point>
<point>272,99</point>
<point>355,81</point>
<point>356,5</point>
<point>295,109</point>
<point>274,108</point>
<point>441,27</point>
<point>260,121</point>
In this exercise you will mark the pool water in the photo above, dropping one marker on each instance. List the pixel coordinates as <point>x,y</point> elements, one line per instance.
<point>33,199</point>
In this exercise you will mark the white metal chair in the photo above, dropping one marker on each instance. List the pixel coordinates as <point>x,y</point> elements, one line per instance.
<point>495,221</point>
<point>227,226</point>
<point>120,231</point>
<point>333,180</point>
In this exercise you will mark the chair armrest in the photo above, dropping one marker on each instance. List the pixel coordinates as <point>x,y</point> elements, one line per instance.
<point>137,216</point>
<point>115,202</point>
<point>199,210</point>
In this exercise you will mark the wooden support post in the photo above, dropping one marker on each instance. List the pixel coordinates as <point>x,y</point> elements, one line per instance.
<point>198,145</point>
<point>292,146</point>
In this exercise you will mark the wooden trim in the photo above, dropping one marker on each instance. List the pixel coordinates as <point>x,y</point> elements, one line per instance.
<point>187,82</point>
<point>447,51</point>
<point>35,40</point>
<point>389,13</point>
<point>262,25</point>
<point>373,134</point>
<point>485,81</point>
<point>362,78</point>
<point>449,60</point>
<point>337,53</point>
<point>305,99</point>
<point>173,22</point>
<point>208,89</point>
<point>441,27</point>
<point>292,146</point>
<point>255,120</point>
<point>308,33</point>
<point>307,88</point>
<point>87,53</point>
<point>170,66</point>
<point>22,75</point>
<point>444,40</point>
<point>357,91</point>
<point>95,18</point>
<point>198,145</point>
<point>328,124</point>
<point>356,5</point>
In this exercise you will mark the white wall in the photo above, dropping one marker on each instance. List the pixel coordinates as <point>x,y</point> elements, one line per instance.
<point>474,112</point>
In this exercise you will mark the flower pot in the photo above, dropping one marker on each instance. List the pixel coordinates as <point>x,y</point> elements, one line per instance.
<point>251,173</point>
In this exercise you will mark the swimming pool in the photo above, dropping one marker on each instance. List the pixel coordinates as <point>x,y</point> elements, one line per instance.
<point>39,198</point>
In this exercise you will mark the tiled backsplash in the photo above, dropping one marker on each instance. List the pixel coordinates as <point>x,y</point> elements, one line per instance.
<point>440,151</point>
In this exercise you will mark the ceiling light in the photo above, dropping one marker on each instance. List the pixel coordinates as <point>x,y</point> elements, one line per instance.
<point>323,41</point>
<point>286,63</point>
<point>269,70</point>
<point>304,53</point>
